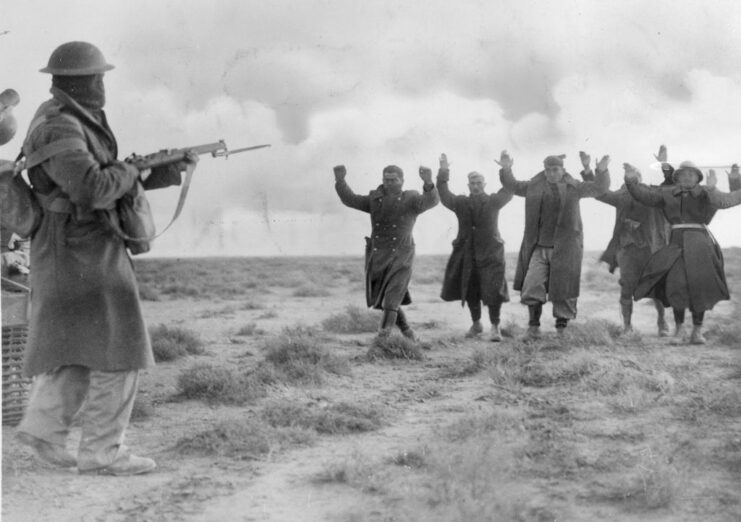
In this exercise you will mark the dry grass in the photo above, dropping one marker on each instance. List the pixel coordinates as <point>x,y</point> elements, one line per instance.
<point>170,343</point>
<point>353,320</point>
<point>250,329</point>
<point>217,384</point>
<point>339,418</point>
<point>394,346</point>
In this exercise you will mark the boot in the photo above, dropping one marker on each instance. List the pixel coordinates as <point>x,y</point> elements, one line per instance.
<point>696,336</point>
<point>561,325</point>
<point>387,323</point>
<point>495,336</point>
<point>50,453</point>
<point>533,333</point>
<point>406,330</point>
<point>475,330</point>
<point>680,334</point>
<point>626,309</point>
<point>660,320</point>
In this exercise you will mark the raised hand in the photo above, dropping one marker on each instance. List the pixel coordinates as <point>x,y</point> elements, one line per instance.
<point>444,165</point>
<point>426,174</point>
<point>340,172</point>
<point>505,161</point>
<point>662,156</point>
<point>712,179</point>
<point>603,163</point>
<point>734,171</point>
<point>585,159</point>
<point>631,173</point>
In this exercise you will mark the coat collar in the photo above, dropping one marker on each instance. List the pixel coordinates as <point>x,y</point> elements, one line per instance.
<point>83,114</point>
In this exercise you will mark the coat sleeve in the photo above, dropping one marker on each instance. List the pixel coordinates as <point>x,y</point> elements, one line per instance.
<point>600,185</point>
<point>428,199</point>
<point>350,199</point>
<point>501,197</point>
<point>721,200</point>
<point>611,197</point>
<point>649,196</point>
<point>447,198</point>
<point>509,182</point>
<point>79,175</point>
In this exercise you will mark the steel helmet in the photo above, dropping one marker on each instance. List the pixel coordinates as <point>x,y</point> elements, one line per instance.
<point>76,59</point>
<point>8,99</point>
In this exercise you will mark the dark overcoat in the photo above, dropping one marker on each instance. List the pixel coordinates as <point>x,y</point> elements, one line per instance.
<point>565,269</point>
<point>389,252</point>
<point>635,224</point>
<point>688,272</point>
<point>478,245</point>
<point>84,298</point>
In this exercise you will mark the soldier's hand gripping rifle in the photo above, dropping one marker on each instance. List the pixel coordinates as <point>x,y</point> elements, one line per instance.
<point>169,156</point>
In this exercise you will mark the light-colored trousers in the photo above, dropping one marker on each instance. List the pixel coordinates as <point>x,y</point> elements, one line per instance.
<point>108,399</point>
<point>535,285</point>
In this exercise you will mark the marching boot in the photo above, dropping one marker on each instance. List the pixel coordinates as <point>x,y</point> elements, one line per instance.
<point>680,333</point>
<point>696,336</point>
<point>475,330</point>
<point>561,325</point>
<point>660,319</point>
<point>387,322</point>
<point>533,325</point>
<point>406,330</point>
<point>626,309</point>
<point>496,335</point>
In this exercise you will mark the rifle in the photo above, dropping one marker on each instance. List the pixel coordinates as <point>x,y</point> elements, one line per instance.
<point>168,156</point>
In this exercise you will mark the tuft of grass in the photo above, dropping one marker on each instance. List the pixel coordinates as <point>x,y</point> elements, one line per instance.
<point>353,320</point>
<point>411,459</point>
<point>169,343</point>
<point>339,418</point>
<point>218,384</point>
<point>652,486</point>
<point>250,329</point>
<point>394,346</point>
<point>310,290</point>
<point>270,314</point>
<point>511,330</point>
<point>592,332</point>
<point>299,358</point>
<point>251,305</point>
<point>242,439</point>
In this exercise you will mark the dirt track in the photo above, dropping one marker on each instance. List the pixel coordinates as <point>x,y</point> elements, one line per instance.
<point>457,442</point>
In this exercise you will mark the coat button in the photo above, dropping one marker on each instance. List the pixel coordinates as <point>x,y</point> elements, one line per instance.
<point>393,238</point>
<point>375,250</point>
<point>473,228</point>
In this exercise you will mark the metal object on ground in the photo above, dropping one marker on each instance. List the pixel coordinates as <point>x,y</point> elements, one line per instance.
<point>15,305</point>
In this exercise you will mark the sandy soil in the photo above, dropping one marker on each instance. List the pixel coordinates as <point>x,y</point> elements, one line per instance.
<point>421,402</point>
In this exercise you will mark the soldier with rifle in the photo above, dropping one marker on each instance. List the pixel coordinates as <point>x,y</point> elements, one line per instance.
<point>88,339</point>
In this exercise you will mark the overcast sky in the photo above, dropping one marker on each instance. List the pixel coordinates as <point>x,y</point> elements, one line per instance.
<point>368,83</point>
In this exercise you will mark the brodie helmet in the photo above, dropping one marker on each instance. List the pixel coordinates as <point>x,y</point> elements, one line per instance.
<point>76,59</point>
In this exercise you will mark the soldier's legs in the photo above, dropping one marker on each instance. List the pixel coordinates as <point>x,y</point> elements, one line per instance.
<point>661,319</point>
<point>564,310</point>
<point>401,322</point>
<point>55,398</point>
<point>388,320</point>
<point>697,337</point>
<point>680,332</point>
<point>494,312</point>
<point>631,261</point>
<point>534,288</point>
<point>105,417</point>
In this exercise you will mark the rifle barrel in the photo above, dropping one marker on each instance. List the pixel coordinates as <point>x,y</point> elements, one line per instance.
<point>227,153</point>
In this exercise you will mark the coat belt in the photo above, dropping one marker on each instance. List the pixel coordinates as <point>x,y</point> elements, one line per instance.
<point>689,225</point>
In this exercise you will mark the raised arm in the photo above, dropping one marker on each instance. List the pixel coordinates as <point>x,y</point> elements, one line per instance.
<point>347,196</point>
<point>611,197</point>
<point>429,197</point>
<point>721,200</point>
<point>734,178</point>
<point>649,196</point>
<point>506,177</point>
<point>601,182</point>
<point>501,197</point>
<point>447,198</point>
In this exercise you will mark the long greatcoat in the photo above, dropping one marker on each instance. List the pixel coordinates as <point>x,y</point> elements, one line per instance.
<point>84,298</point>
<point>565,270</point>
<point>688,272</point>
<point>478,245</point>
<point>635,224</point>
<point>389,252</point>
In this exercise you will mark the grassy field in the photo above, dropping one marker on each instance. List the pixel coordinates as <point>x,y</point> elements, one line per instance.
<point>272,400</point>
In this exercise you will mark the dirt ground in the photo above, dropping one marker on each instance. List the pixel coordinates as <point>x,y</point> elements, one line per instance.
<point>626,429</point>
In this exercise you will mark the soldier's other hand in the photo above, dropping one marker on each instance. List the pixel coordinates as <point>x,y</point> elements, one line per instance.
<point>340,172</point>
<point>505,160</point>
<point>662,155</point>
<point>426,174</point>
<point>712,178</point>
<point>631,173</point>
<point>603,163</point>
<point>735,173</point>
<point>585,159</point>
<point>444,165</point>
